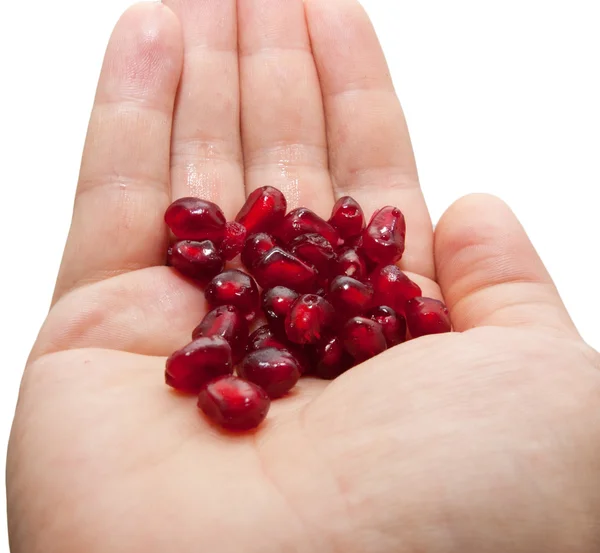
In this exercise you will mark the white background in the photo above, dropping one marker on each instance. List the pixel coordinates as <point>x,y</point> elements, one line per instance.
<point>501,97</point>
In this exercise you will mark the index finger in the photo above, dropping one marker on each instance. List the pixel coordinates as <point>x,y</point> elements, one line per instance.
<point>370,153</point>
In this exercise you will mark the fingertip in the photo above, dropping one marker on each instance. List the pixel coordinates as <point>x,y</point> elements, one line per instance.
<point>479,230</point>
<point>469,220</point>
<point>489,271</point>
<point>144,55</point>
<point>474,200</point>
<point>342,31</point>
<point>477,199</point>
<point>154,19</point>
<point>334,6</point>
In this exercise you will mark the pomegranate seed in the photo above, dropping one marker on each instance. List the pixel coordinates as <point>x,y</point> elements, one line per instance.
<point>363,338</point>
<point>234,287</point>
<point>278,267</point>
<point>229,323</point>
<point>347,217</point>
<point>255,247</point>
<point>383,239</point>
<point>196,219</point>
<point>315,275</point>
<point>304,221</point>
<point>332,359</point>
<point>198,260</point>
<point>233,242</point>
<point>310,319</point>
<point>276,304</point>
<point>393,288</point>
<point>392,324</point>
<point>349,296</point>
<point>264,337</point>
<point>314,249</point>
<point>350,263</point>
<point>354,243</point>
<point>190,367</point>
<point>233,403</point>
<point>427,316</point>
<point>264,209</point>
<point>276,371</point>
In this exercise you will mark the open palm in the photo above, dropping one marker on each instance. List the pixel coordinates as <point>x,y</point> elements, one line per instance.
<point>481,440</point>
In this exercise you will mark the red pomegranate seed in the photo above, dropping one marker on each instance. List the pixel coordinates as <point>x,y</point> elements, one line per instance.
<point>276,304</point>
<point>198,260</point>
<point>427,316</point>
<point>349,296</point>
<point>354,243</point>
<point>392,324</point>
<point>264,209</point>
<point>280,268</point>
<point>383,239</point>
<point>233,242</point>
<point>196,219</point>
<point>234,287</point>
<point>276,371</point>
<point>350,263</point>
<point>347,217</point>
<point>332,359</point>
<point>363,338</point>
<point>229,323</point>
<point>314,249</point>
<point>255,247</point>
<point>233,403</point>
<point>264,337</point>
<point>190,367</point>
<point>393,288</point>
<point>310,319</point>
<point>304,221</point>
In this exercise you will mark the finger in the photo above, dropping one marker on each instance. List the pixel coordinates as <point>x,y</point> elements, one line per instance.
<point>490,273</point>
<point>283,127</point>
<point>123,187</point>
<point>206,150</point>
<point>126,313</point>
<point>370,153</point>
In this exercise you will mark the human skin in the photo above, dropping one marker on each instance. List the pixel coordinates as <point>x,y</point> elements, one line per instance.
<point>483,440</point>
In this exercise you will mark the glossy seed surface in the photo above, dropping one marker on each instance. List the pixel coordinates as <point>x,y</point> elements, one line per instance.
<point>234,403</point>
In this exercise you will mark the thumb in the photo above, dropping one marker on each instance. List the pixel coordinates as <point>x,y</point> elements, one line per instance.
<point>490,273</point>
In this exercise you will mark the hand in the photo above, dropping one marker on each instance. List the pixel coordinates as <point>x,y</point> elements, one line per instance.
<point>482,440</point>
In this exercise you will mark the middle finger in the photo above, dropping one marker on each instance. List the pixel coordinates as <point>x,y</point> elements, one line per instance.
<point>283,125</point>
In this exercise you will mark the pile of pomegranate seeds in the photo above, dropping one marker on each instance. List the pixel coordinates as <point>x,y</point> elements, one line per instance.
<point>332,297</point>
